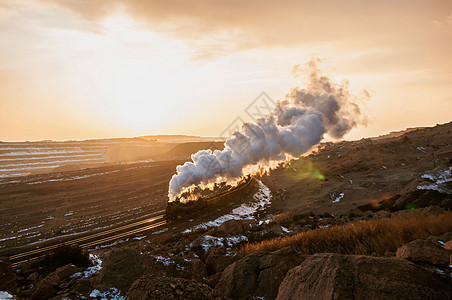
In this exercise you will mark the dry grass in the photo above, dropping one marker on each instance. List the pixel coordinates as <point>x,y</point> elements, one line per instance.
<point>376,236</point>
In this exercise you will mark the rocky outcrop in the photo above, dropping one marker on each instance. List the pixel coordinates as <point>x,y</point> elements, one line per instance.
<point>49,286</point>
<point>258,274</point>
<point>121,267</point>
<point>233,227</point>
<point>335,276</point>
<point>424,251</point>
<point>162,287</point>
<point>217,259</point>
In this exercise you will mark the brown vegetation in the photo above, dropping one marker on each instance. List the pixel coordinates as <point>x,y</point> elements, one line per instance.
<point>373,237</point>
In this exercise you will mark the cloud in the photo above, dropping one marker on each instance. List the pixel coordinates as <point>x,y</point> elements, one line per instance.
<point>226,26</point>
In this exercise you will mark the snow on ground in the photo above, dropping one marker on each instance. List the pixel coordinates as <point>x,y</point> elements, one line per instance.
<point>439,181</point>
<point>97,265</point>
<point>167,261</point>
<point>285,230</point>
<point>336,199</point>
<point>5,296</point>
<point>161,231</point>
<point>111,294</point>
<point>29,228</point>
<point>208,241</point>
<point>245,211</point>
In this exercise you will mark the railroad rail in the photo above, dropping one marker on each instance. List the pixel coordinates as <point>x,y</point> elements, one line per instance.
<point>90,240</point>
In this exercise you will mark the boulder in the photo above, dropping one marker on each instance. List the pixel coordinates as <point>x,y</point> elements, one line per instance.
<point>162,287</point>
<point>258,274</point>
<point>65,271</point>
<point>49,286</point>
<point>217,259</point>
<point>425,251</point>
<point>197,269</point>
<point>121,267</point>
<point>33,276</point>
<point>233,227</point>
<point>336,276</point>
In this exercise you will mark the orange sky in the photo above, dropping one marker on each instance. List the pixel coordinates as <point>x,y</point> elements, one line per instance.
<point>109,68</point>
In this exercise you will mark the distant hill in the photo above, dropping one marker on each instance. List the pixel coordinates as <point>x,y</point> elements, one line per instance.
<point>179,138</point>
<point>186,149</point>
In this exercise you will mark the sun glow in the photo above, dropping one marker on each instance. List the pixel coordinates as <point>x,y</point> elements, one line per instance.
<point>133,87</point>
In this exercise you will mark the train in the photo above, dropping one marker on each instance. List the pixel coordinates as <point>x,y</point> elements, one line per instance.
<point>177,209</point>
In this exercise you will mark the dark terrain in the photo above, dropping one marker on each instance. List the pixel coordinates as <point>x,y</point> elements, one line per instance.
<point>396,178</point>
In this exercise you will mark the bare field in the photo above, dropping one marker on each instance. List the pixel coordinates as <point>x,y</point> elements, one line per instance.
<point>36,208</point>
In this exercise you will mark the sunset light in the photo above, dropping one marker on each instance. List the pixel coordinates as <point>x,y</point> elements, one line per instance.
<point>225,149</point>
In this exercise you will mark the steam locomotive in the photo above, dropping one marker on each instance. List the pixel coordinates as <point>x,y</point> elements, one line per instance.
<point>176,209</point>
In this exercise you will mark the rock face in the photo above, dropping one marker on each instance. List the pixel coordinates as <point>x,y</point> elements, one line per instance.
<point>258,274</point>
<point>162,287</point>
<point>424,251</point>
<point>335,276</point>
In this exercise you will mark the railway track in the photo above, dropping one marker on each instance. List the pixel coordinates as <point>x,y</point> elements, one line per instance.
<point>90,240</point>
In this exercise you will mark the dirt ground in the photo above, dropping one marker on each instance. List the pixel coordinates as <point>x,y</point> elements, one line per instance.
<point>39,207</point>
<point>339,177</point>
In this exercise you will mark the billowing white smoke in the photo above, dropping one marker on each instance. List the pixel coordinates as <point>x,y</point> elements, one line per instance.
<point>298,122</point>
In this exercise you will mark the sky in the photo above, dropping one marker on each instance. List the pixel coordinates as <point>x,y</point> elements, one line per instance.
<point>74,69</point>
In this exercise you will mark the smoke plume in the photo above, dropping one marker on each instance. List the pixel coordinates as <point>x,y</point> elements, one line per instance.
<point>299,121</point>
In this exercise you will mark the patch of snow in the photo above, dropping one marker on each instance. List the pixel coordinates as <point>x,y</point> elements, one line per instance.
<point>138,238</point>
<point>112,294</point>
<point>5,296</point>
<point>74,177</point>
<point>438,181</point>
<point>285,230</point>
<point>209,241</point>
<point>112,244</point>
<point>164,260</point>
<point>167,261</point>
<point>246,211</point>
<point>97,265</point>
<point>161,231</point>
<point>336,199</point>
<point>29,228</point>
<point>421,149</point>
<point>261,222</point>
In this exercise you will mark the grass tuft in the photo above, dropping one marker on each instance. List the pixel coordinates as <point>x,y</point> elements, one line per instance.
<point>372,237</point>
